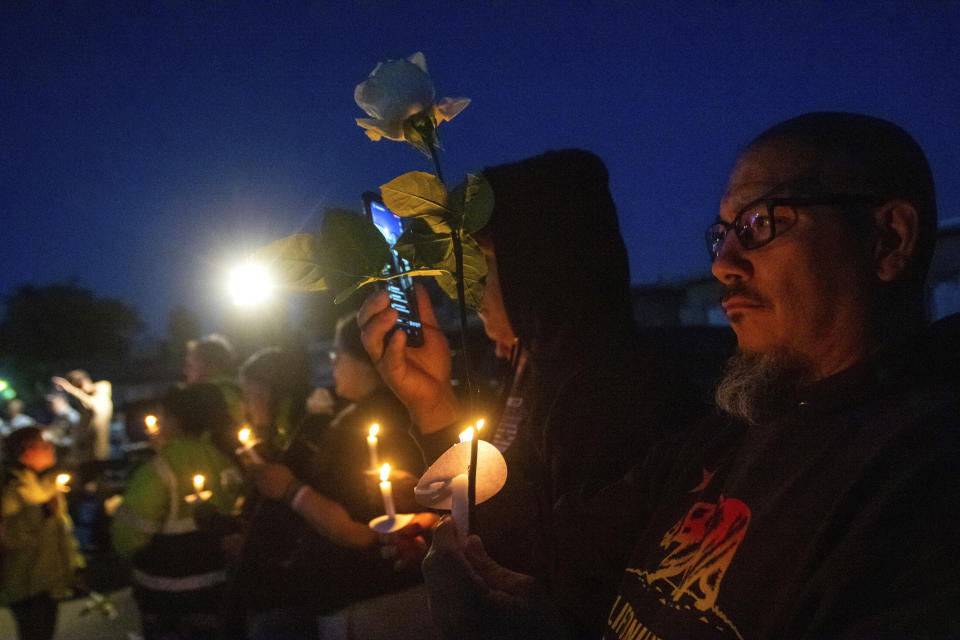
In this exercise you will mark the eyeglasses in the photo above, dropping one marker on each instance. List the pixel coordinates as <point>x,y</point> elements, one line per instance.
<point>759,222</point>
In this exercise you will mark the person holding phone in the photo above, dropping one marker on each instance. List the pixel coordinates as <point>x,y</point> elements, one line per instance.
<point>584,398</point>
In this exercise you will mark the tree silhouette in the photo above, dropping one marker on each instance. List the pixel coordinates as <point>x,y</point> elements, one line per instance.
<point>47,327</point>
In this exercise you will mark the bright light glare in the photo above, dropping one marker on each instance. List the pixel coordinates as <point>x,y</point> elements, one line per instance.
<point>250,284</point>
<point>244,435</point>
<point>374,430</point>
<point>63,479</point>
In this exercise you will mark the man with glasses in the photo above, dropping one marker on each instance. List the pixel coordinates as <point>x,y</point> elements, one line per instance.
<point>822,501</point>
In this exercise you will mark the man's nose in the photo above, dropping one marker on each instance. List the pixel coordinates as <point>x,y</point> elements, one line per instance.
<point>731,264</point>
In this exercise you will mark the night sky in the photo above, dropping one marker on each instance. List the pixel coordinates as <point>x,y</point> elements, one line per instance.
<point>146,146</point>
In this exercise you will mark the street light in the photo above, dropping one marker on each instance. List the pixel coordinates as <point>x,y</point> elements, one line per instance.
<point>250,284</point>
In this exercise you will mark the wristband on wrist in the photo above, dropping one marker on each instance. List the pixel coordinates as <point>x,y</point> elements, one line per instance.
<point>291,491</point>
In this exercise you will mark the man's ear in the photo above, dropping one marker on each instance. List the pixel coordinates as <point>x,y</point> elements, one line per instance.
<point>897,224</point>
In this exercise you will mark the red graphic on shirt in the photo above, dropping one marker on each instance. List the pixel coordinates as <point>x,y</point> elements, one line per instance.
<point>699,549</point>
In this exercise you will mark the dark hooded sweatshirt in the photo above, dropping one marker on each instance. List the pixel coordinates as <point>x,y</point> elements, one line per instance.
<point>592,400</point>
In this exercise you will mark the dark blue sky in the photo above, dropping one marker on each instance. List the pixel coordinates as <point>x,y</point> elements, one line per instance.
<point>145,146</point>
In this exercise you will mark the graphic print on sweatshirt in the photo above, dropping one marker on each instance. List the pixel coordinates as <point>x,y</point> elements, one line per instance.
<point>678,596</point>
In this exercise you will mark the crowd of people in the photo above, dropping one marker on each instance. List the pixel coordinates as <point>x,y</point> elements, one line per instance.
<point>812,496</point>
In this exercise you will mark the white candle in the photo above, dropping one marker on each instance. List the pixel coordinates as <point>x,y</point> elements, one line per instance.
<point>386,491</point>
<point>372,445</point>
<point>459,508</point>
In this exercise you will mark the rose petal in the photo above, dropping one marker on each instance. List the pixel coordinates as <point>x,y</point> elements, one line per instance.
<point>381,128</point>
<point>448,108</point>
<point>420,60</point>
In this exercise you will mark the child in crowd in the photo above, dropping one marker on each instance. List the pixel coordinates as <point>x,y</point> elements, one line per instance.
<point>38,550</point>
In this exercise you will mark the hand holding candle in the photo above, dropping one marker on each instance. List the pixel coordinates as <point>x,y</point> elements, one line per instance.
<point>392,521</point>
<point>445,485</point>
<point>248,442</point>
<point>199,493</point>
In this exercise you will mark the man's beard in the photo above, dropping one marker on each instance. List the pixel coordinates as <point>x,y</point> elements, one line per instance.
<point>759,387</point>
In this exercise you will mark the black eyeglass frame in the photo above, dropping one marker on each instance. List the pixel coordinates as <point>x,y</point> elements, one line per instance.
<point>714,244</point>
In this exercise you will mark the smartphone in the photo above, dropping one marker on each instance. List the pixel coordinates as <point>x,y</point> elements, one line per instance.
<point>403,297</point>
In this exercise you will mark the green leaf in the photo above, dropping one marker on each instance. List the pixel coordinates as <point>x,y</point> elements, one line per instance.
<point>294,261</point>
<point>421,246</point>
<point>351,249</point>
<point>477,203</point>
<point>416,193</point>
<point>474,275</point>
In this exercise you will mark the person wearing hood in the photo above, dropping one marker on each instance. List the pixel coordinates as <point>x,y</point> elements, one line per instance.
<point>584,399</point>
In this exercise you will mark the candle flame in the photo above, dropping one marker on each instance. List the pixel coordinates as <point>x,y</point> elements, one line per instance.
<point>244,435</point>
<point>384,473</point>
<point>151,423</point>
<point>467,435</point>
<point>63,479</point>
<point>374,430</point>
<point>198,482</point>
<point>480,424</point>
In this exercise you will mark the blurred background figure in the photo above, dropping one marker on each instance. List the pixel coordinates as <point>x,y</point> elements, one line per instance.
<point>62,430</point>
<point>179,570</point>
<point>96,398</point>
<point>213,359</point>
<point>210,359</point>
<point>15,417</point>
<point>280,564</point>
<point>39,553</point>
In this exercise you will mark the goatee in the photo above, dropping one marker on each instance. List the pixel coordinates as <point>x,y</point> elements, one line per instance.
<point>759,387</point>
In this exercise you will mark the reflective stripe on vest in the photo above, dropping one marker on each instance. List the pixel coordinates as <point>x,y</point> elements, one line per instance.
<point>173,524</point>
<point>186,583</point>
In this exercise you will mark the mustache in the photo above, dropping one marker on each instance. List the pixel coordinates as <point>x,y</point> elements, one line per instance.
<point>741,290</point>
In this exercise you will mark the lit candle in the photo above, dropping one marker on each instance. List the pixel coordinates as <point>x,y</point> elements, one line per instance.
<point>245,435</point>
<point>386,491</point>
<point>459,508</point>
<point>151,424</point>
<point>199,493</point>
<point>62,480</point>
<point>372,445</point>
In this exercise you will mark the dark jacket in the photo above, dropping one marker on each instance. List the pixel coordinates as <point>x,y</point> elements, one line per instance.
<point>836,519</point>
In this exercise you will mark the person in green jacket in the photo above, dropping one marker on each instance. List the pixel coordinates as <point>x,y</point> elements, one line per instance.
<point>179,570</point>
<point>39,553</point>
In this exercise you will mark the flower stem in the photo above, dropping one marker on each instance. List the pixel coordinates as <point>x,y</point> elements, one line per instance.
<point>456,234</point>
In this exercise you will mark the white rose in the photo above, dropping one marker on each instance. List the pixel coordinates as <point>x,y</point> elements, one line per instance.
<point>396,90</point>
